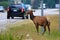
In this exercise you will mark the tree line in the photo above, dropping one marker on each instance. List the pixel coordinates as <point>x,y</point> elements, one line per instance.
<point>3,0</point>
<point>36,3</point>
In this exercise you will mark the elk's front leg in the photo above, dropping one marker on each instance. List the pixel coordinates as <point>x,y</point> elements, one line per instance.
<point>37,28</point>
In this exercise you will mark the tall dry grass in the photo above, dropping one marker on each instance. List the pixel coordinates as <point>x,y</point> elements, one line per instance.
<point>20,30</point>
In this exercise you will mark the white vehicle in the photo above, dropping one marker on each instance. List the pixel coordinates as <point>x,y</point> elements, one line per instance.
<point>29,7</point>
<point>1,9</point>
<point>44,6</point>
<point>57,5</point>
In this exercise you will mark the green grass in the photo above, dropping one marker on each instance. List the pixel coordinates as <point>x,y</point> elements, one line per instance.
<point>20,30</point>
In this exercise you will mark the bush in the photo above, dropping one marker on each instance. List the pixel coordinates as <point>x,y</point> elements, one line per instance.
<point>5,4</point>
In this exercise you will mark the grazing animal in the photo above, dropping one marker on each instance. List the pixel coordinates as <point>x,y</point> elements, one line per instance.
<point>39,21</point>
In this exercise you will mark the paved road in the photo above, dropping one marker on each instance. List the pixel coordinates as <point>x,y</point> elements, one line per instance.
<point>4,20</point>
<point>46,12</point>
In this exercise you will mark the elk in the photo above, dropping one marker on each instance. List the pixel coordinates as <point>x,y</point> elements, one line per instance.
<point>39,21</point>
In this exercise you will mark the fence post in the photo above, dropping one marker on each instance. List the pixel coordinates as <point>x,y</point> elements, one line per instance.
<point>41,7</point>
<point>42,13</point>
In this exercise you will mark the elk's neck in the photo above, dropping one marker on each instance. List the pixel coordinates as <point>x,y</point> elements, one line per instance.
<point>32,17</point>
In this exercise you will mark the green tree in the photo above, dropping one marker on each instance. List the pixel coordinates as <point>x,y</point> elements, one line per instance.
<point>56,1</point>
<point>50,3</point>
<point>36,3</point>
<point>3,0</point>
<point>26,1</point>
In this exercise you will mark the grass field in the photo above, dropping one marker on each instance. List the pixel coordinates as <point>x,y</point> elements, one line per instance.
<point>25,30</point>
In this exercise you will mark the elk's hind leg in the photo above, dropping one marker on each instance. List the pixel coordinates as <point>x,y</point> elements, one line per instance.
<point>48,28</point>
<point>44,30</point>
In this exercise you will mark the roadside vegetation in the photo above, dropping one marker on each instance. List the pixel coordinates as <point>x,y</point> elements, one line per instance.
<point>4,3</point>
<point>26,30</point>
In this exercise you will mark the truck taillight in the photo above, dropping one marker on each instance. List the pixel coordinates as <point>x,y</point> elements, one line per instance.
<point>7,9</point>
<point>22,9</point>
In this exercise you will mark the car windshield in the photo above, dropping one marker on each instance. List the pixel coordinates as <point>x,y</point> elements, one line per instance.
<point>18,6</point>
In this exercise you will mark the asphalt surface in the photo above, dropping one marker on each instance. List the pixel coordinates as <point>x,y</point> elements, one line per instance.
<point>4,20</point>
<point>46,12</point>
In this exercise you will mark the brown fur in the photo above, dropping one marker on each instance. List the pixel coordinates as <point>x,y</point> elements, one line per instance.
<point>39,21</point>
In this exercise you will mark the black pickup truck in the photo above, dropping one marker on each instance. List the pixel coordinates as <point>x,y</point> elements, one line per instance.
<point>16,10</point>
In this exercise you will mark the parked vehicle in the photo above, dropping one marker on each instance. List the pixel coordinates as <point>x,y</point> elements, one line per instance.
<point>44,6</point>
<point>1,8</point>
<point>29,7</point>
<point>16,10</point>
